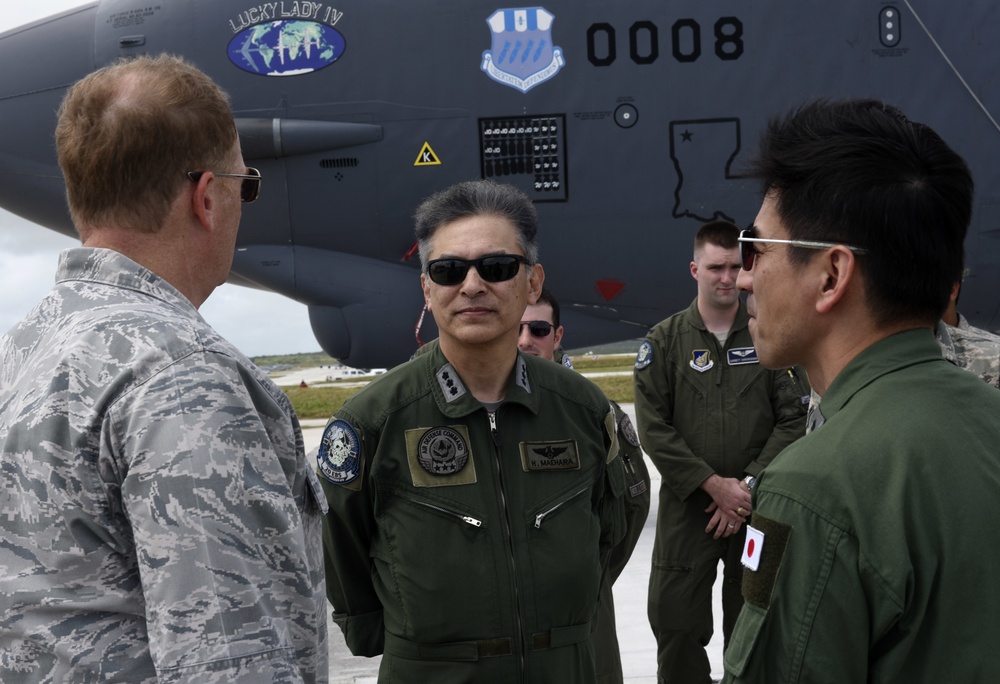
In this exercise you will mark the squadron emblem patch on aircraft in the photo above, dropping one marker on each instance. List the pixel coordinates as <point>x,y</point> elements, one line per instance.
<point>522,55</point>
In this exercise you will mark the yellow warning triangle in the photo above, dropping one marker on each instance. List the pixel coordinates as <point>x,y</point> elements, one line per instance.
<point>427,157</point>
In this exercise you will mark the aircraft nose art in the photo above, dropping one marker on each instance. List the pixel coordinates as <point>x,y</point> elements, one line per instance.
<point>286,48</point>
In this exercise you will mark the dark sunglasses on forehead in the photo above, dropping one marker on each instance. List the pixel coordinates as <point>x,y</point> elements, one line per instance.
<point>748,252</point>
<point>492,269</point>
<point>536,328</point>
<point>249,189</point>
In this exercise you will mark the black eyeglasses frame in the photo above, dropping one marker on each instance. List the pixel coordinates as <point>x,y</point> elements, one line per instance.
<point>493,268</point>
<point>537,329</point>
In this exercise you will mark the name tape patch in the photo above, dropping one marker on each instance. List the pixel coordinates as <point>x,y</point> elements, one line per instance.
<point>742,356</point>
<point>542,456</point>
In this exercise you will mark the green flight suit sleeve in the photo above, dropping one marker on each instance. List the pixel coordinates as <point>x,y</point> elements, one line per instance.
<point>611,496</point>
<point>789,402</point>
<point>679,467</point>
<point>636,496</point>
<point>815,606</point>
<point>348,530</point>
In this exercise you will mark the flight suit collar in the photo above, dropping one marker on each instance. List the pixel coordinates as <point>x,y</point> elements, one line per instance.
<point>741,321</point>
<point>455,400</point>
<point>886,356</point>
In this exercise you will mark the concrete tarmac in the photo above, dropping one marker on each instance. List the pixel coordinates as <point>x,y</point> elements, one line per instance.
<point>638,647</point>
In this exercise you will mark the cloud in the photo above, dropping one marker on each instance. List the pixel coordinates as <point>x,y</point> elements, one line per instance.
<point>256,322</point>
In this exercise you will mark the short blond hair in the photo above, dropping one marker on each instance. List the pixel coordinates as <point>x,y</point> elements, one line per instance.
<point>128,134</point>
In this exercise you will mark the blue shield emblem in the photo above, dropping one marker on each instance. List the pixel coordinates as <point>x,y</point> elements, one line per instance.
<point>522,55</point>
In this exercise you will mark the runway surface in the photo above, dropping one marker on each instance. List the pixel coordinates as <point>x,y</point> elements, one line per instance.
<point>635,638</point>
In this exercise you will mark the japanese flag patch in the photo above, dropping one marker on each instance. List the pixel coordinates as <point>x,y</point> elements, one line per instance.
<point>752,548</point>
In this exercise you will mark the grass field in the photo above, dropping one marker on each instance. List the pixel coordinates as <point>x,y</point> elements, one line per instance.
<point>324,401</point>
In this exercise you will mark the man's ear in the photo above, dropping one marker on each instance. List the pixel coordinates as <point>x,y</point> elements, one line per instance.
<point>203,201</point>
<point>426,287</point>
<point>837,274</point>
<point>557,336</point>
<point>694,270</point>
<point>535,280</point>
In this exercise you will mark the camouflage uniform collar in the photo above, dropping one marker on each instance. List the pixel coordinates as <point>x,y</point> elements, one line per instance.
<point>455,400</point>
<point>943,334</point>
<point>108,267</point>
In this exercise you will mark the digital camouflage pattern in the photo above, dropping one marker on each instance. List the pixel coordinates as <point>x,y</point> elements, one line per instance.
<point>971,349</point>
<point>160,521</point>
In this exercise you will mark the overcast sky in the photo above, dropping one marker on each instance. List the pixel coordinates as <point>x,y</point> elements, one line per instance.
<point>256,322</point>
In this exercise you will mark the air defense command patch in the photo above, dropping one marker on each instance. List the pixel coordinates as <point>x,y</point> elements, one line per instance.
<point>701,360</point>
<point>541,456</point>
<point>339,457</point>
<point>440,456</point>
<point>442,451</point>
<point>645,355</point>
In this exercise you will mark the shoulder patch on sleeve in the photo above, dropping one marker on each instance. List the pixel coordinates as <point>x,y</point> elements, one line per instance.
<point>339,456</point>
<point>628,430</point>
<point>763,552</point>
<point>645,355</point>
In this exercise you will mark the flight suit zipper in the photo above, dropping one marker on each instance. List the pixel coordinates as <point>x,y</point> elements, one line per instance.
<point>468,519</point>
<point>544,514</point>
<point>494,432</point>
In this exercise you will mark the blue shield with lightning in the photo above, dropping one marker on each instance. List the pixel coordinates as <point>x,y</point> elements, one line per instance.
<point>522,54</point>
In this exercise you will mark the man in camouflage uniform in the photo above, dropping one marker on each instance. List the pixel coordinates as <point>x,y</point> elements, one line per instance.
<point>970,348</point>
<point>541,335</point>
<point>160,521</point>
<point>475,492</point>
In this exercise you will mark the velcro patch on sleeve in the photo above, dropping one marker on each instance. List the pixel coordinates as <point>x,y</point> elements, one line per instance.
<point>769,543</point>
<point>339,458</point>
<point>543,456</point>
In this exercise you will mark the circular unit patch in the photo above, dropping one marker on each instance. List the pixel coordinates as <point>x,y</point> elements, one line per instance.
<point>442,451</point>
<point>339,457</point>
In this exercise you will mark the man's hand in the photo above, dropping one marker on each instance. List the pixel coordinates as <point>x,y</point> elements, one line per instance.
<point>731,504</point>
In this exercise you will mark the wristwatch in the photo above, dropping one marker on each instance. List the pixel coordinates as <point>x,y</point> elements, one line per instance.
<point>750,481</point>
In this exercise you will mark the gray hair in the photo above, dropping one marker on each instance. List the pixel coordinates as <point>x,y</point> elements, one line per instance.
<point>477,198</point>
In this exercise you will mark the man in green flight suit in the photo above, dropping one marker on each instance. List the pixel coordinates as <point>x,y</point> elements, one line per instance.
<point>541,335</point>
<point>870,555</point>
<point>475,492</point>
<point>710,417</point>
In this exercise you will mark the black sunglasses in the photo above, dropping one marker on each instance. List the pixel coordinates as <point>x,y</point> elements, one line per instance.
<point>749,236</point>
<point>249,189</point>
<point>536,328</point>
<point>492,269</point>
